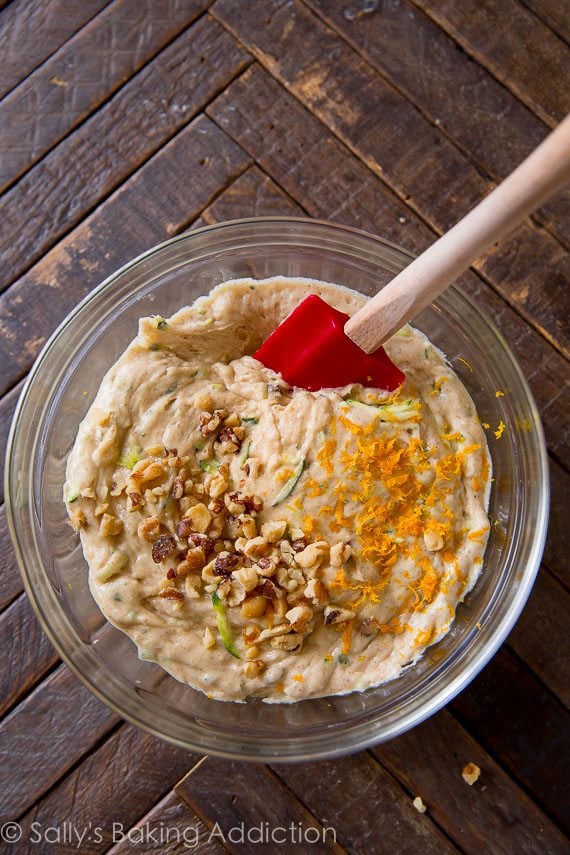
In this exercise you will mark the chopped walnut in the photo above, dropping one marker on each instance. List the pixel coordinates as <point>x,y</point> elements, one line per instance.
<point>265,567</point>
<point>471,773</point>
<point>316,592</point>
<point>147,471</point>
<point>228,442</point>
<point>209,639</point>
<point>253,668</point>
<point>253,607</point>
<point>255,547</point>
<point>210,422</point>
<point>433,542</point>
<point>217,485</point>
<point>200,517</point>
<point>273,531</point>
<point>192,563</point>
<point>340,553</point>
<point>192,585</point>
<point>334,615</point>
<point>299,616</point>
<point>250,634</point>
<point>171,594</point>
<point>162,547</point>
<point>216,506</point>
<point>274,631</point>
<point>299,544</point>
<point>206,543</point>
<point>248,526</point>
<point>77,519</point>
<point>419,805</point>
<point>311,554</point>
<point>177,489</point>
<point>268,589</point>
<point>224,564</point>
<point>292,642</point>
<point>110,525</point>
<point>248,578</point>
<point>135,501</point>
<point>290,578</point>
<point>149,529</point>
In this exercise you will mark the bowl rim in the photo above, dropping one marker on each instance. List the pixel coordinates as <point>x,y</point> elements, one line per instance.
<point>365,736</point>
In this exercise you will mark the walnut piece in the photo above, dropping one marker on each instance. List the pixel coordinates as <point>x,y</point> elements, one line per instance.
<point>162,547</point>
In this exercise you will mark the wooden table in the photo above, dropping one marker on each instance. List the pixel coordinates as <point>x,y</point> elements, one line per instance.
<point>126,122</point>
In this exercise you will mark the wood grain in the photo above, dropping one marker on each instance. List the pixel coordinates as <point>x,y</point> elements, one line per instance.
<point>60,94</point>
<point>338,791</point>
<point>31,30</point>
<point>112,788</point>
<point>554,13</point>
<point>10,579</point>
<point>405,150</point>
<point>253,194</point>
<point>228,793</point>
<point>185,832</point>
<point>540,636</point>
<point>159,101</point>
<point>557,552</point>
<point>515,46</point>
<point>493,815</point>
<point>7,406</point>
<point>319,173</point>
<point>53,728</point>
<point>27,653</point>
<point>524,728</point>
<point>179,181</point>
<point>426,65</point>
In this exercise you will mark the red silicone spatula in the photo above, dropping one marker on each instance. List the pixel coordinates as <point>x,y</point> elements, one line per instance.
<point>318,347</point>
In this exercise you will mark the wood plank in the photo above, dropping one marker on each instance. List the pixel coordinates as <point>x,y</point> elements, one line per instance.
<point>524,728</point>
<point>59,95</point>
<point>31,30</point>
<point>557,552</point>
<point>349,793</point>
<point>404,149</point>
<point>173,826</point>
<point>225,794</point>
<point>26,651</point>
<point>514,45</point>
<point>111,789</point>
<point>540,636</point>
<point>162,98</point>
<point>318,172</point>
<point>483,118</point>
<point>253,194</point>
<point>494,815</point>
<point>177,183</point>
<point>7,407</point>
<point>554,13</point>
<point>45,736</point>
<point>10,580</point>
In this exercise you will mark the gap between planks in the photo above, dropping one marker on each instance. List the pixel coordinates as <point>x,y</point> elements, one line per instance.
<point>478,161</point>
<point>327,112</point>
<point>91,109</point>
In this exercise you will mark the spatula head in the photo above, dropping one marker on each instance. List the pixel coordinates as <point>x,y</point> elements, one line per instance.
<point>310,349</point>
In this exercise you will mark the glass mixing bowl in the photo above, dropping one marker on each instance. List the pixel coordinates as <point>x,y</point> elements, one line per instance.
<point>65,379</point>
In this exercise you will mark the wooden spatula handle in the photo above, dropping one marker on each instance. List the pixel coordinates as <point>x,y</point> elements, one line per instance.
<point>544,172</point>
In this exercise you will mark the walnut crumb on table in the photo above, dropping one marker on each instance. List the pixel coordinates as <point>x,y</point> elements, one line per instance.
<point>419,805</point>
<point>470,774</point>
